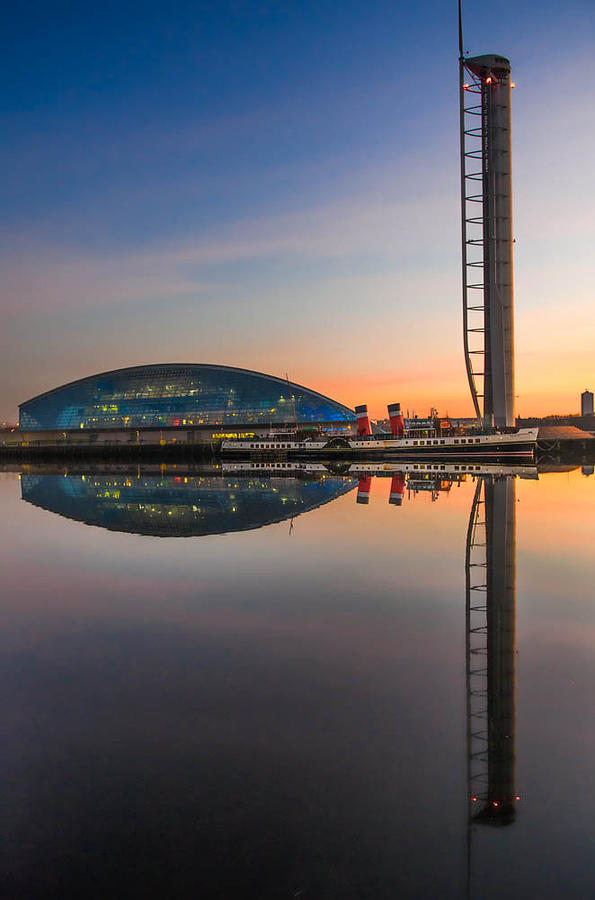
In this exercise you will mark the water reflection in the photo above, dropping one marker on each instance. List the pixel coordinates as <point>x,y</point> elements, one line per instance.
<point>245,496</point>
<point>183,504</point>
<point>262,717</point>
<point>233,497</point>
<point>490,567</point>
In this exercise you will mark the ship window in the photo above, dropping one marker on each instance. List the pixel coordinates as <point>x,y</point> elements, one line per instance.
<point>477,441</point>
<point>456,442</point>
<point>441,442</point>
<point>415,443</point>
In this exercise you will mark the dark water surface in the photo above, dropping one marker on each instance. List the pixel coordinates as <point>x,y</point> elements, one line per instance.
<point>252,685</point>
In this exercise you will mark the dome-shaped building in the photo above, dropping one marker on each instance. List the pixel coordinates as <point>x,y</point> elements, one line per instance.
<point>209,398</point>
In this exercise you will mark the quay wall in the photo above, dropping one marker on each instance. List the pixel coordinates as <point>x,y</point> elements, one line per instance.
<point>171,444</point>
<point>114,444</point>
<point>129,443</point>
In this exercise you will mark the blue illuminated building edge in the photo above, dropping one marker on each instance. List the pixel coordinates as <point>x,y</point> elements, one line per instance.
<point>181,395</point>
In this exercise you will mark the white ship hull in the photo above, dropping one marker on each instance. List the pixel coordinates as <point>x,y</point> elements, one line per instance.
<point>519,444</point>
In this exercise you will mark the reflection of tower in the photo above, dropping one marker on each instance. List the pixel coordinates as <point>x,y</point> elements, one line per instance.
<point>490,579</point>
<point>486,205</point>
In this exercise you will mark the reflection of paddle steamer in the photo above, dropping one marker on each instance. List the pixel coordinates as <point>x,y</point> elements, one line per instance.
<point>447,468</point>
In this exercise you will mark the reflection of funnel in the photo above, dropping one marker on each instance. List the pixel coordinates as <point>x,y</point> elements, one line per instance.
<point>397,489</point>
<point>363,489</point>
<point>491,682</point>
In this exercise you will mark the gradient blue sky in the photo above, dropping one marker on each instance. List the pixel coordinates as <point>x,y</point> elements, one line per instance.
<point>275,185</point>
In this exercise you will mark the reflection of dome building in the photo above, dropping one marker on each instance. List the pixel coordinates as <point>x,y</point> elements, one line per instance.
<point>201,397</point>
<point>179,505</point>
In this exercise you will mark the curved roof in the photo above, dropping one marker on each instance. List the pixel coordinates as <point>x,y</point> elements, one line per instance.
<point>166,366</point>
<point>175,394</point>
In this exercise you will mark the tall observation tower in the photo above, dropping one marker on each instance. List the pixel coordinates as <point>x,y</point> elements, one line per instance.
<point>486,214</point>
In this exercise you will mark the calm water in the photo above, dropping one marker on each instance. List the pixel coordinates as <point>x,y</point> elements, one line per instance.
<point>256,685</point>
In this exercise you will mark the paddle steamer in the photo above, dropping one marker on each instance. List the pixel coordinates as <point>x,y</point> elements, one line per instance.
<point>493,444</point>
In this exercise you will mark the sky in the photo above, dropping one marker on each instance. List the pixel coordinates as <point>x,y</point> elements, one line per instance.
<point>275,185</point>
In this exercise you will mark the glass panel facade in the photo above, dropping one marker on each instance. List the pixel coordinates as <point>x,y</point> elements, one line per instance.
<point>178,395</point>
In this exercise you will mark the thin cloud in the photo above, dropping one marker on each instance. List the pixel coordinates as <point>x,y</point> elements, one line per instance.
<point>38,282</point>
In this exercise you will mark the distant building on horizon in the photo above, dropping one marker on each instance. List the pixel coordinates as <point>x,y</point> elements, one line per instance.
<point>587,403</point>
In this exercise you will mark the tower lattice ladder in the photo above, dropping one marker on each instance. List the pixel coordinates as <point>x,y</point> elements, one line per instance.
<point>473,164</point>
